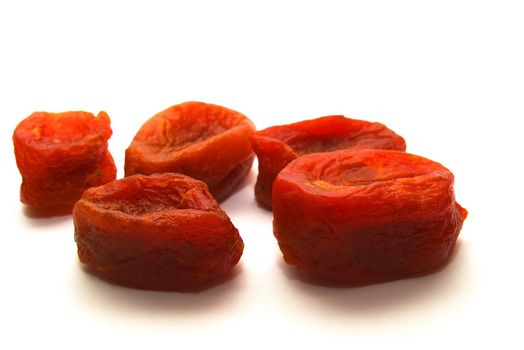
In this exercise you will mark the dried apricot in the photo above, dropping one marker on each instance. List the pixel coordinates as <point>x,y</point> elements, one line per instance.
<point>277,146</point>
<point>59,155</point>
<point>163,232</point>
<point>363,216</point>
<point>204,141</point>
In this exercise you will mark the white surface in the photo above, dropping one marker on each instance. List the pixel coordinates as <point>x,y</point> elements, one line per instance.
<point>447,75</point>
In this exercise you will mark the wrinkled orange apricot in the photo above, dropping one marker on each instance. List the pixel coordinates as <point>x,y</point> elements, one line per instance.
<point>365,216</point>
<point>277,146</point>
<point>59,155</point>
<point>162,232</point>
<point>204,141</point>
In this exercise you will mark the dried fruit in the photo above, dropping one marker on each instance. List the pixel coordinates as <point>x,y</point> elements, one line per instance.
<point>204,141</point>
<point>59,155</point>
<point>365,216</point>
<point>277,146</point>
<point>163,232</point>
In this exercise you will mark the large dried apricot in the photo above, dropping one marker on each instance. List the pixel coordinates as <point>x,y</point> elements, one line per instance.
<point>277,146</point>
<point>59,155</point>
<point>163,231</point>
<point>365,216</point>
<point>204,141</point>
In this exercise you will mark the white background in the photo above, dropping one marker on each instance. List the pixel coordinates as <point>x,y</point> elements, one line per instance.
<point>447,75</point>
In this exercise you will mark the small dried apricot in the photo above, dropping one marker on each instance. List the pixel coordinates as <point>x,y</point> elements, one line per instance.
<point>277,146</point>
<point>204,141</point>
<point>363,216</point>
<point>59,155</point>
<point>163,232</point>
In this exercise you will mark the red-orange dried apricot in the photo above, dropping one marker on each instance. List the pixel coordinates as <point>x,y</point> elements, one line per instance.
<point>59,155</point>
<point>204,141</point>
<point>277,146</point>
<point>163,232</point>
<point>363,216</point>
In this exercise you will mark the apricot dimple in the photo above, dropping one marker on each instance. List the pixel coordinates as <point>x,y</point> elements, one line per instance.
<point>143,196</point>
<point>366,169</point>
<point>176,135</point>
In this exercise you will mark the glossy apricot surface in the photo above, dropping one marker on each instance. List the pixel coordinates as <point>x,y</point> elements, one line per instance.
<point>59,155</point>
<point>162,232</point>
<point>365,216</point>
<point>201,140</point>
<point>277,146</point>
